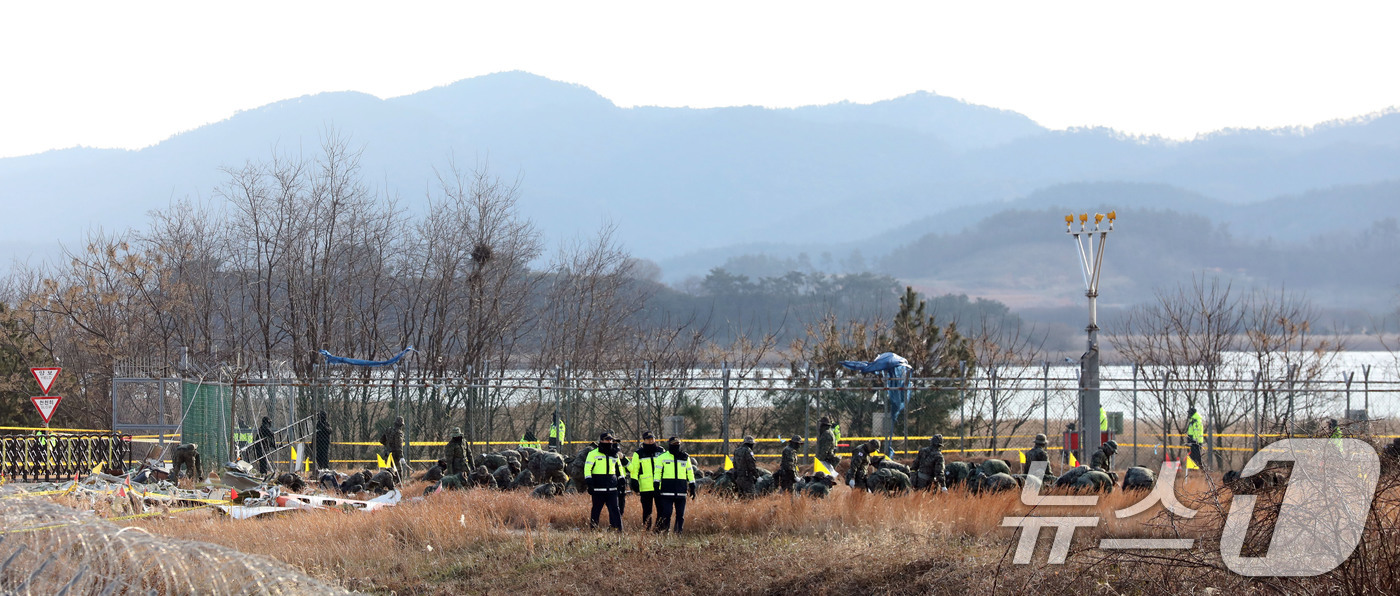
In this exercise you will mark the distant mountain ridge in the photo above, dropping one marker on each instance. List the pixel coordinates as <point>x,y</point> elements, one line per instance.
<point>676,180</point>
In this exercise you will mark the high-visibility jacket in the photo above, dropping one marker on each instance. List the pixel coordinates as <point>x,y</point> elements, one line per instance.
<point>556,431</point>
<point>602,471</point>
<point>643,468</point>
<point>676,474</point>
<point>1195,428</point>
<point>836,430</point>
<point>1103,419</point>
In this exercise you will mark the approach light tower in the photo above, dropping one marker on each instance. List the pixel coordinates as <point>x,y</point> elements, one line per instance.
<point>1091,261</point>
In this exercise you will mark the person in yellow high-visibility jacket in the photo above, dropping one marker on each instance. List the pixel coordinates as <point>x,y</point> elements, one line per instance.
<point>643,468</point>
<point>556,432</point>
<point>1195,434</point>
<point>603,473</point>
<point>1103,419</point>
<point>676,471</point>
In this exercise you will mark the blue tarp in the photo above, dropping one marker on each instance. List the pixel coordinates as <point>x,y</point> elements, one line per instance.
<point>330,359</point>
<point>894,367</point>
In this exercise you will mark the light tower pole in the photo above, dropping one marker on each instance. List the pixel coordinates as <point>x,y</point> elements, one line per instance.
<point>1090,261</point>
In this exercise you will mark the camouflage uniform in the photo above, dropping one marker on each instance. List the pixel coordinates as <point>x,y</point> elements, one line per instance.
<point>504,479</point>
<point>548,490</point>
<point>819,487</point>
<point>787,470</point>
<point>548,467</point>
<point>576,466</point>
<point>956,473</point>
<point>1103,459</point>
<point>1095,480</point>
<point>452,482</point>
<point>995,466</point>
<point>392,440</point>
<point>435,473</point>
<point>995,483</point>
<point>745,468</point>
<point>1138,478</point>
<point>187,456</point>
<point>1037,453</point>
<point>929,465</point>
<point>888,480</point>
<point>480,477</point>
<point>887,464</point>
<point>457,458</point>
<point>860,462</point>
<point>826,444</point>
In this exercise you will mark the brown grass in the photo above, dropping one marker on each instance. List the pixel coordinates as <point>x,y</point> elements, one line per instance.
<point>493,542</point>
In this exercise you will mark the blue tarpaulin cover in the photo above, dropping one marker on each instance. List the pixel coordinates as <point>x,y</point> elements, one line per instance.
<point>894,367</point>
<point>330,359</point>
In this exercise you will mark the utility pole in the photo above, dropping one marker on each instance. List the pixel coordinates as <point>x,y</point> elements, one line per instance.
<point>1090,261</point>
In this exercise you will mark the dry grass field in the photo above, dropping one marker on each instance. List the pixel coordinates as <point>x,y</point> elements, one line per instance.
<point>508,543</point>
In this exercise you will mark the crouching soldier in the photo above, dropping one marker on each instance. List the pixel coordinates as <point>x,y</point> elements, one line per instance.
<point>930,465</point>
<point>187,458</point>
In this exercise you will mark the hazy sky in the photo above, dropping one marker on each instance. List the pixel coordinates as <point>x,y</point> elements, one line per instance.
<point>129,74</point>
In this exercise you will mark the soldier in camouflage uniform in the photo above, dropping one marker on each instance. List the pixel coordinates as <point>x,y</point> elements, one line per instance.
<point>1139,478</point>
<point>187,457</point>
<point>929,466</point>
<point>745,472</point>
<point>505,480</point>
<point>1037,453</point>
<point>481,478</point>
<point>453,482</point>
<point>826,444</point>
<point>881,462</point>
<point>1103,459</point>
<point>548,467</point>
<point>956,473</point>
<point>576,465</point>
<point>787,470</point>
<point>888,480</point>
<point>392,440</point>
<point>995,466</point>
<point>819,486</point>
<point>457,458</point>
<point>860,462</point>
<point>523,479</point>
<point>436,472</point>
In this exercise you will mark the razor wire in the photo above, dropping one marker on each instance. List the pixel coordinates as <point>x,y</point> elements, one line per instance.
<point>46,548</point>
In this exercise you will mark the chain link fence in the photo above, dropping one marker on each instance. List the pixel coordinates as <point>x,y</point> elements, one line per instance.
<point>990,415</point>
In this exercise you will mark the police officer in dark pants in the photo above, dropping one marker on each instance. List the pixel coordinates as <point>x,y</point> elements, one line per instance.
<point>643,470</point>
<point>603,472</point>
<point>677,473</point>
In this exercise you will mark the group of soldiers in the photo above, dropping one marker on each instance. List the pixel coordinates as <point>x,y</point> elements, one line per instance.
<point>665,477</point>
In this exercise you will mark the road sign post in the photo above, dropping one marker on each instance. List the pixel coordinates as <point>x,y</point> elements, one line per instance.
<point>45,376</point>
<point>46,404</point>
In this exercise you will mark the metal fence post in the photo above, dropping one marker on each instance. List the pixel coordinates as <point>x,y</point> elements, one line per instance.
<point>962,407</point>
<point>724,402</point>
<point>1366,393</point>
<point>1136,446</point>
